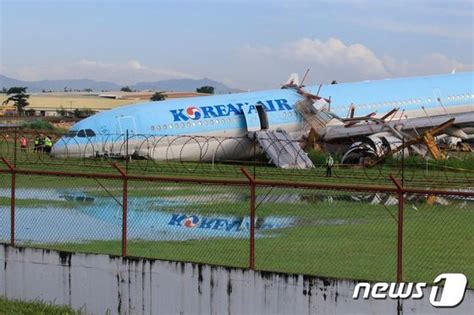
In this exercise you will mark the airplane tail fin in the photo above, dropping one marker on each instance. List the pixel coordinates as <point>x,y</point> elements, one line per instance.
<point>293,79</point>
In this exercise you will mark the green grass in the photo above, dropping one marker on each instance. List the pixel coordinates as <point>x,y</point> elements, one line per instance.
<point>5,201</point>
<point>40,125</point>
<point>415,176</point>
<point>457,171</point>
<point>15,307</point>
<point>338,240</point>
<point>436,238</point>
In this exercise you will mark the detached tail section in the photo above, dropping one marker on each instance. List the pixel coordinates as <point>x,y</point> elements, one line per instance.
<point>293,80</point>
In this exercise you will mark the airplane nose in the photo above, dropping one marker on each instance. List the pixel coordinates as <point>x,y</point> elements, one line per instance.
<point>59,148</point>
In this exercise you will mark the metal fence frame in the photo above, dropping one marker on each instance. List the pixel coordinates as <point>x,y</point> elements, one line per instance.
<point>249,181</point>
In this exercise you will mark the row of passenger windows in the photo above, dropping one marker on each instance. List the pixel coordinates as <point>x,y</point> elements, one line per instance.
<point>191,124</point>
<point>209,122</point>
<point>459,97</point>
<point>290,114</point>
<point>408,102</point>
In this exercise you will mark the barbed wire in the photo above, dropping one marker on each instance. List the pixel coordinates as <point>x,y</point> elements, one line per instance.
<point>218,156</point>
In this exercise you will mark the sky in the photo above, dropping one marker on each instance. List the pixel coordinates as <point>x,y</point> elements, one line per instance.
<point>249,45</point>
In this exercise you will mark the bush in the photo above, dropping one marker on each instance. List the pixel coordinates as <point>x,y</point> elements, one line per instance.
<point>35,307</point>
<point>455,160</point>
<point>76,113</point>
<point>83,113</point>
<point>318,157</point>
<point>38,125</point>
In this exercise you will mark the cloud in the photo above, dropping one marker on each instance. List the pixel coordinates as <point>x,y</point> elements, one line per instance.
<point>436,29</point>
<point>134,64</point>
<point>128,72</point>
<point>334,53</point>
<point>252,67</point>
<point>433,63</point>
<point>334,59</point>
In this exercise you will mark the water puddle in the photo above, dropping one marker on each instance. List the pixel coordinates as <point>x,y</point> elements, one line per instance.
<point>81,216</point>
<point>87,218</point>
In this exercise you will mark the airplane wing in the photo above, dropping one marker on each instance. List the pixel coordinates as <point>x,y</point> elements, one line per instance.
<point>420,124</point>
<point>374,138</point>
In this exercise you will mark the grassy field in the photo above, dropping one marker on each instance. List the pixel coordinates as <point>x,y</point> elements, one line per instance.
<point>363,247</point>
<point>456,172</point>
<point>415,174</point>
<point>335,234</point>
<point>14,307</point>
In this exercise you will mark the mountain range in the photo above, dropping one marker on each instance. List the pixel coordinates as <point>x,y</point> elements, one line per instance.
<point>178,85</point>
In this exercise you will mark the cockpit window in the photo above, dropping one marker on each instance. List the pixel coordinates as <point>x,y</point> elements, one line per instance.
<point>83,133</point>
<point>90,133</point>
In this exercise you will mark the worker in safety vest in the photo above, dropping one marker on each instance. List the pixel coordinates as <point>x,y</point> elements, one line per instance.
<point>37,143</point>
<point>329,165</point>
<point>48,144</point>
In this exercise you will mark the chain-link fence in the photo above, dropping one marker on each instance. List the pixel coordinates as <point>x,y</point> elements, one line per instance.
<point>189,222</point>
<point>334,230</point>
<point>5,203</point>
<point>344,234</point>
<point>68,213</point>
<point>222,157</point>
<point>438,236</point>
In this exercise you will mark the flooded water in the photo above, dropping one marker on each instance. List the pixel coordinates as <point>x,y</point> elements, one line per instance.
<point>62,215</point>
<point>85,218</point>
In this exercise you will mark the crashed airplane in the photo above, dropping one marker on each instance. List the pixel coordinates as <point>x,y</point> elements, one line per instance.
<point>360,120</point>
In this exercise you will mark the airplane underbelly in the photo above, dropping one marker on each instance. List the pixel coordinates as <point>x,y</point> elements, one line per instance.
<point>231,146</point>
<point>193,148</point>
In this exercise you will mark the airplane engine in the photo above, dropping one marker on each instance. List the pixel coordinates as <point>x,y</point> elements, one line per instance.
<point>372,148</point>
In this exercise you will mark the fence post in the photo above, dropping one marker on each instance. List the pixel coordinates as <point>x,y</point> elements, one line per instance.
<point>15,146</point>
<point>126,151</point>
<point>124,208</point>
<point>401,204</point>
<point>12,201</point>
<point>252,185</point>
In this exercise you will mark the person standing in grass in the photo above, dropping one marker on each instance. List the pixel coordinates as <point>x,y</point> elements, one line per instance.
<point>48,144</point>
<point>37,143</point>
<point>23,143</point>
<point>329,165</point>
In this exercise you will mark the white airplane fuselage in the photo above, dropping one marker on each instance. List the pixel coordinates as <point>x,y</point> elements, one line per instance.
<point>216,127</point>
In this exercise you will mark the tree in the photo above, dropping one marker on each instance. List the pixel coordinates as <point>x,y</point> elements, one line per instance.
<point>18,96</point>
<point>30,112</point>
<point>83,113</point>
<point>62,112</point>
<point>158,96</point>
<point>205,89</point>
<point>126,89</point>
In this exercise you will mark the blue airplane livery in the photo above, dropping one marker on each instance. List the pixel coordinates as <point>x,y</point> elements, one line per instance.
<point>226,126</point>
<point>195,113</point>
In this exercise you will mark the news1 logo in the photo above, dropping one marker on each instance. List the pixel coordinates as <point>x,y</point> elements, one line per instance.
<point>450,295</point>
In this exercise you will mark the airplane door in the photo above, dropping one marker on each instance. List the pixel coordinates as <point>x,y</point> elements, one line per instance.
<point>255,117</point>
<point>127,123</point>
